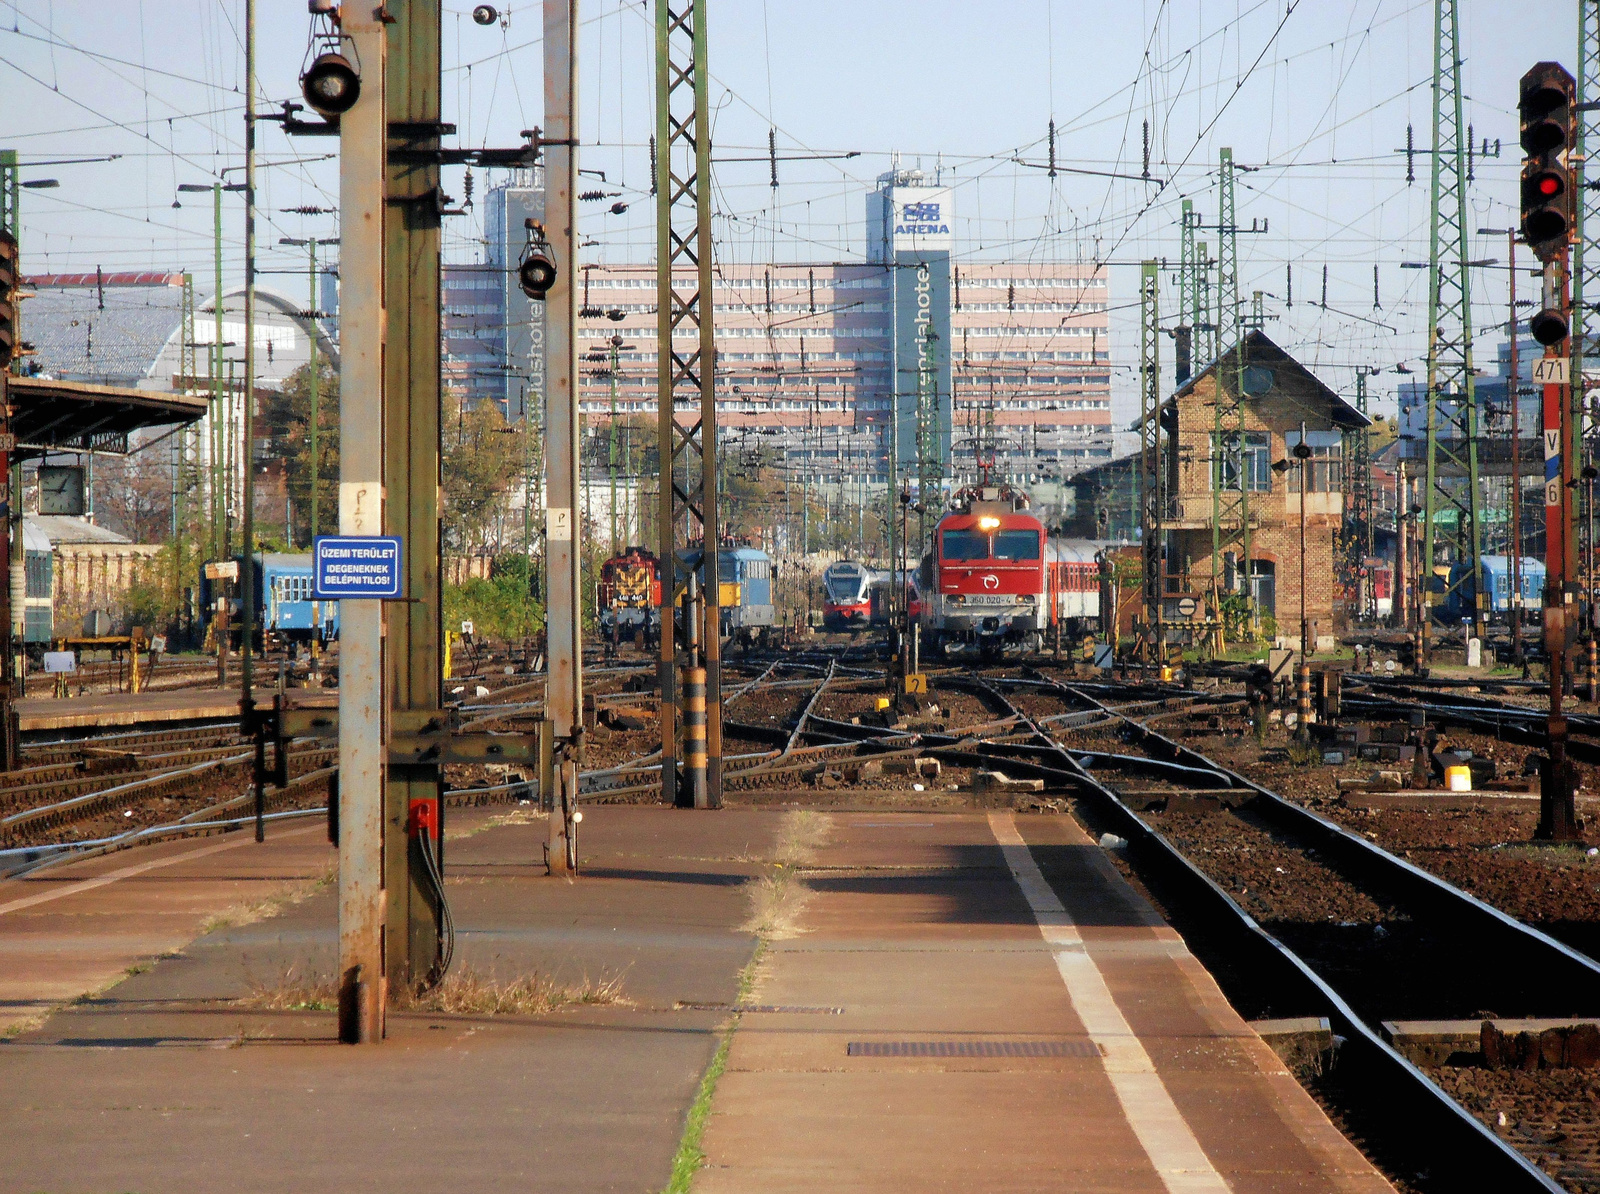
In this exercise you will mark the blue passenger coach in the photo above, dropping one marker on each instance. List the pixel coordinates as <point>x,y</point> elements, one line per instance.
<point>284,604</point>
<point>1459,602</point>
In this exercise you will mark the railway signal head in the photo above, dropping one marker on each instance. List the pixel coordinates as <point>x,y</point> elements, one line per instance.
<point>536,273</point>
<point>1544,107</point>
<point>1549,327</point>
<point>8,302</point>
<point>331,85</point>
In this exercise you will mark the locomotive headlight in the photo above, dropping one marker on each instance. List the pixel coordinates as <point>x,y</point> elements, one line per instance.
<point>988,523</point>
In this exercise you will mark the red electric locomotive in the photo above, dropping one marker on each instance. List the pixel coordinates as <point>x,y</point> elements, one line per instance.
<point>996,580</point>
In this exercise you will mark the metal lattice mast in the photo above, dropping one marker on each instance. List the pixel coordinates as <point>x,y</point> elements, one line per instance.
<point>686,374</point>
<point>611,451</point>
<point>10,192</point>
<point>1585,258</point>
<point>1452,401</point>
<point>1358,503</point>
<point>1205,332</point>
<point>1151,498</point>
<point>1230,492</point>
<point>1190,315</point>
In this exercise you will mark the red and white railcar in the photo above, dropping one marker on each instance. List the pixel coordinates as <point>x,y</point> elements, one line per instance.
<point>998,581</point>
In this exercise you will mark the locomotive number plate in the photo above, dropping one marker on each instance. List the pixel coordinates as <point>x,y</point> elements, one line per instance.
<point>991,599</point>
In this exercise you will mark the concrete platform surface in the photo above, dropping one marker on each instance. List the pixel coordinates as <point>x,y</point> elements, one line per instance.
<point>175,1079</point>
<point>108,709</point>
<point>979,1002</point>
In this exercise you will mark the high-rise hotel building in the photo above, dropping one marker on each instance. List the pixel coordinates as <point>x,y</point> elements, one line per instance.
<point>831,363</point>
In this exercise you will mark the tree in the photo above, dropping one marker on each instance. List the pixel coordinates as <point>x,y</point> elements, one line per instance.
<point>285,425</point>
<point>482,466</point>
<point>133,495</point>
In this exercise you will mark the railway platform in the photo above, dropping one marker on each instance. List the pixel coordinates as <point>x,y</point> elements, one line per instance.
<point>106,710</point>
<point>1006,1014</point>
<point>964,1000</point>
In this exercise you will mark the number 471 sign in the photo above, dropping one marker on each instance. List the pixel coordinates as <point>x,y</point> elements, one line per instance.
<point>1550,371</point>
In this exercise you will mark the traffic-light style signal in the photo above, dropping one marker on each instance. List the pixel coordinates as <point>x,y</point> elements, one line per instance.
<point>8,298</point>
<point>1544,105</point>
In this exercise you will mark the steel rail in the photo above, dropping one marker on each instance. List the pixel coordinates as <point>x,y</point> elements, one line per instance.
<point>79,807</point>
<point>1476,1156</point>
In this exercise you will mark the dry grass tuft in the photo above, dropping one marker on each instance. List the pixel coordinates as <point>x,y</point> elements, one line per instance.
<point>294,992</point>
<point>523,814</point>
<point>800,835</point>
<point>272,905</point>
<point>776,900</point>
<point>466,992</point>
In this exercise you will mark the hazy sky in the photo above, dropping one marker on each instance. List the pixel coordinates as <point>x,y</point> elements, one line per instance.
<point>1314,96</point>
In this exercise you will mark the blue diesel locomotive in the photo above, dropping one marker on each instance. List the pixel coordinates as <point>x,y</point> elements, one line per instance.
<point>745,576</point>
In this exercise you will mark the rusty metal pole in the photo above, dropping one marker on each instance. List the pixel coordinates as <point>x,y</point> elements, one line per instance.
<point>1515,383</point>
<point>362,757</point>
<point>1557,813</point>
<point>563,535</point>
<point>413,920</point>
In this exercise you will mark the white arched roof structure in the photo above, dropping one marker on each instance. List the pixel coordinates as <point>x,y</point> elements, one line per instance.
<point>282,333</point>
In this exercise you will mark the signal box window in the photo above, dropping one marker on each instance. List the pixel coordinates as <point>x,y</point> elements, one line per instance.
<point>1016,545</point>
<point>966,545</point>
<point>1325,468</point>
<point>1256,451</point>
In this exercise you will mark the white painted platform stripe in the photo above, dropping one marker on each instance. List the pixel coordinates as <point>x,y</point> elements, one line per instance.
<point>1164,1134</point>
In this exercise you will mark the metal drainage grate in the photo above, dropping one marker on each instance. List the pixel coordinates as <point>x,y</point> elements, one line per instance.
<point>973,1049</point>
<point>759,1007</point>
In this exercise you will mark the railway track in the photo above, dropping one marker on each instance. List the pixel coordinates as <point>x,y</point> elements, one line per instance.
<point>1300,915</point>
<point>1312,920</point>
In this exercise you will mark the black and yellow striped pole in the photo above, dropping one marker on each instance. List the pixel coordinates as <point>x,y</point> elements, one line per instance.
<point>694,698</point>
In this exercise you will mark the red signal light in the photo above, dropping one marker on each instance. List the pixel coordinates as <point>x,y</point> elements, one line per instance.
<point>1549,185</point>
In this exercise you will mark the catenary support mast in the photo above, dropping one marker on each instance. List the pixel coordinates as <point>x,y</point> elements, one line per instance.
<point>1452,399</point>
<point>686,384</point>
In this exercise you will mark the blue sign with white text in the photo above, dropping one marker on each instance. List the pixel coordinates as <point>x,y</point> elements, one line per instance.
<point>357,566</point>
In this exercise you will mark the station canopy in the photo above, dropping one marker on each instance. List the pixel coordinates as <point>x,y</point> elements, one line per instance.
<point>75,416</point>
